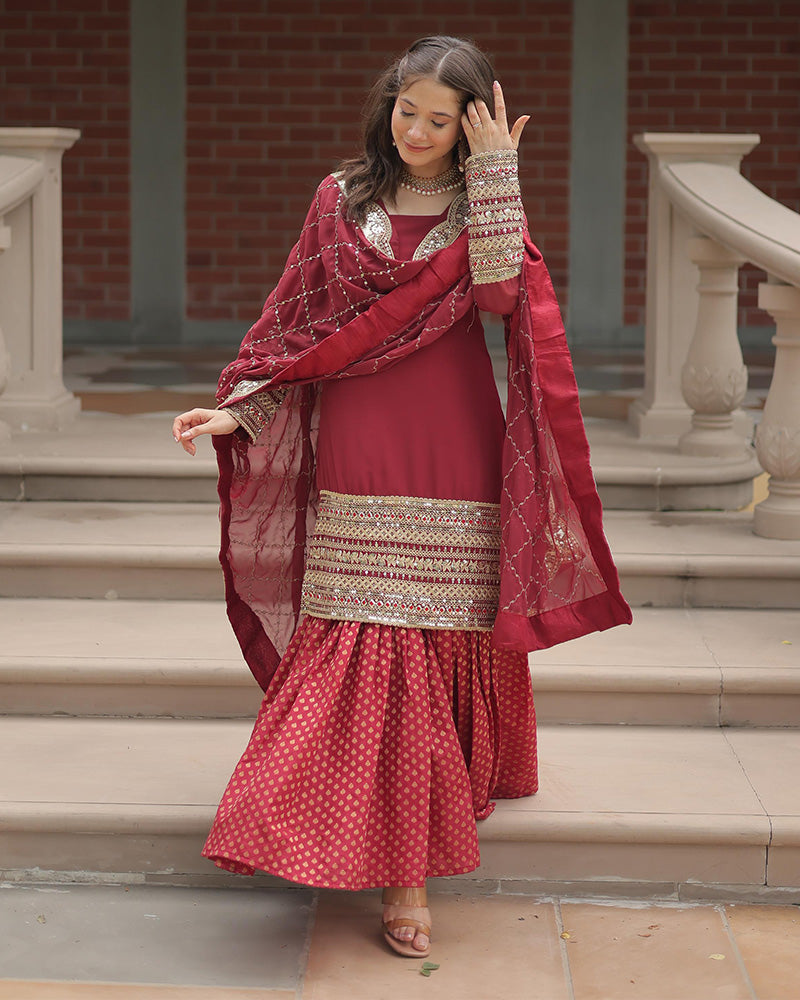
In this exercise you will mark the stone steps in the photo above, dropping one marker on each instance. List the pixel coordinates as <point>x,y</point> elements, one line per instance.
<point>637,805</point>
<point>673,667</point>
<point>107,549</point>
<point>86,462</point>
<point>158,550</point>
<point>107,457</point>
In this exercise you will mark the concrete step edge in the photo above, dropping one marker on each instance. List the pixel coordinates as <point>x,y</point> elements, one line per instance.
<point>691,472</point>
<point>578,677</point>
<point>506,824</point>
<point>709,565</point>
<point>708,473</point>
<point>74,554</point>
<point>59,465</point>
<point>193,671</point>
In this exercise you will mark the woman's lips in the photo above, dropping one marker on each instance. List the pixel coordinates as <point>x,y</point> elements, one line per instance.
<point>416,149</point>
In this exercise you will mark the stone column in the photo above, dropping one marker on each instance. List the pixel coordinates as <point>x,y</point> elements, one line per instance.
<point>30,272</point>
<point>778,436</point>
<point>660,412</point>
<point>5,357</point>
<point>714,377</point>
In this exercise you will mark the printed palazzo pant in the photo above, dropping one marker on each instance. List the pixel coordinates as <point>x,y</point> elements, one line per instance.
<point>375,750</point>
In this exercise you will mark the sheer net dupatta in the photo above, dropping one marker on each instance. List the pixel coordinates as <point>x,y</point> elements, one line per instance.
<point>268,505</point>
<point>557,577</point>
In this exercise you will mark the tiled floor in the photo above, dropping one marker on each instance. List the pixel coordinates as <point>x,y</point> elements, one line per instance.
<point>165,943</point>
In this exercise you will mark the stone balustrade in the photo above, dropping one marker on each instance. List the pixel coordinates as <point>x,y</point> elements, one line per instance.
<point>32,392</point>
<point>704,221</point>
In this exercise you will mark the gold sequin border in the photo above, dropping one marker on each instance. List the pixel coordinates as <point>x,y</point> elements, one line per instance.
<point>414,562</point>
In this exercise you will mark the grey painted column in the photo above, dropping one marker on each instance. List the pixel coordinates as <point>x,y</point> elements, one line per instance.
<point>158,255</point>
<point>597,172</point>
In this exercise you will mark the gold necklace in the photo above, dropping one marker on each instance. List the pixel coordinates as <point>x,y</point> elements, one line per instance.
<point>451,179</point>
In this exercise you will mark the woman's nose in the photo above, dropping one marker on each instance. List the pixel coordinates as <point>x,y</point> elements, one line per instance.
<point>416,129</point>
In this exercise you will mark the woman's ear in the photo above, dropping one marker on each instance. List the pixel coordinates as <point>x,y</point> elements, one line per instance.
<point>462,151</point>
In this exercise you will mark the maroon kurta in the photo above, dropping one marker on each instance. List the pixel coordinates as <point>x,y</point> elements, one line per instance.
<point>430,426</point>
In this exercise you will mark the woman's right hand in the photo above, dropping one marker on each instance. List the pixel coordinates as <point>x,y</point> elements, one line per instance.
<point>195,422</point>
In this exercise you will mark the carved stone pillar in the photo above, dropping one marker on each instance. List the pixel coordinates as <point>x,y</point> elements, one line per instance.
<point>30,273</point>
<point>778,437</point>
<point>714,377</point>
<point>660,412</point>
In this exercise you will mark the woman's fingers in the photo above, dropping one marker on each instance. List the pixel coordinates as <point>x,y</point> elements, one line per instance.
<point>484,132</point>
<point>484,116</point>
<point>516,131</point>
<point>185,421</point>
<point>193,423</point>
<point>500,106</point>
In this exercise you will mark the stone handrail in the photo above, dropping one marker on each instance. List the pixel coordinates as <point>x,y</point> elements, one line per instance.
<point>705,218</point>
<point>32,392</point>
<point>19,178</point>
<point>729,209</point>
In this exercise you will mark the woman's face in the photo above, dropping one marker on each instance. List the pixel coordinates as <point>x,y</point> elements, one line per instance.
<point>426,125</point>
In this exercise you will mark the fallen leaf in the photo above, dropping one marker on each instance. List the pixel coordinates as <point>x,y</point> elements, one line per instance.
<point>428,968</point>
<point>717,958</point>
<point>786,642</point>
<point>645,935</point>
<point>42,918</point>
<point>653,927</point>
<point>566,935</point>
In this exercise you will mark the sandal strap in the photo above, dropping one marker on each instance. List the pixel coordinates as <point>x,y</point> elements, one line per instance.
<point>399,895</point>
<point>418,925</point>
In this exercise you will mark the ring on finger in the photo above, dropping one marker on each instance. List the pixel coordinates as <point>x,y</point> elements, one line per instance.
<point>476,124</point>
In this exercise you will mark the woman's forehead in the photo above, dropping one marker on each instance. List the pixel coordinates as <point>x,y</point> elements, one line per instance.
<point>430,94</point>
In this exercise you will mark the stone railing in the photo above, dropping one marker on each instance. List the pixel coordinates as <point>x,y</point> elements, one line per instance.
<point>32,392</point>
<point>706,219</point>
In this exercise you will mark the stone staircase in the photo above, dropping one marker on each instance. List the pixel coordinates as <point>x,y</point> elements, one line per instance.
<point>670,750</point>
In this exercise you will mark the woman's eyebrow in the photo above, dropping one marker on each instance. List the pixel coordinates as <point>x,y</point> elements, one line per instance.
<point>444,114</point>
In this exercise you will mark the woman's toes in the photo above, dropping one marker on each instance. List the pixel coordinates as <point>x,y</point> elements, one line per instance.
<point>421,942</point>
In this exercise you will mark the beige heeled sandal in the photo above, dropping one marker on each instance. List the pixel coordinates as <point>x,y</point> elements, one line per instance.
<point>405,896</point>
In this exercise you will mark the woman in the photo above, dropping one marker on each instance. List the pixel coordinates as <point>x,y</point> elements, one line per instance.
<point>365,473</point>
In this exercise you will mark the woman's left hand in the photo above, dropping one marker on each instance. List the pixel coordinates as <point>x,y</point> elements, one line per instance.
<point>484,132</point>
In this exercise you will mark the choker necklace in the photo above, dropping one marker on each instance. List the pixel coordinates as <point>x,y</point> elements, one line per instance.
<point>451,179</point>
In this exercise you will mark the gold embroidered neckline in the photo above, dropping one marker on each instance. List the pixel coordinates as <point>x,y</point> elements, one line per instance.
<point>377,227</point>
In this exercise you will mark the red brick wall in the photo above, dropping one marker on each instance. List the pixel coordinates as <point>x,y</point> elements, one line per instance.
<point>65,62</point>
<point>714,66</point>
<point>273,103</point>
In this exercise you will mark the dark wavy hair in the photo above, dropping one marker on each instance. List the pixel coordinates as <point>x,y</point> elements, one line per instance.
<point>454,62</point>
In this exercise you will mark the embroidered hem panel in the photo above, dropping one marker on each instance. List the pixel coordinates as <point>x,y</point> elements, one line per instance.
<point>413,562</point>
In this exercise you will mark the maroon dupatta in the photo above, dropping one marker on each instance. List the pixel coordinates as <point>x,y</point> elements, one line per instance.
<point>343,308</point>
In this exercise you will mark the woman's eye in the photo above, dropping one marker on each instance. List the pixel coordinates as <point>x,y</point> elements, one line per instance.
<point>438,124</point>
<point>406,114</point>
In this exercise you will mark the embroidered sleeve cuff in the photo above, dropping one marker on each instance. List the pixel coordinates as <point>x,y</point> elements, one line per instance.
<point>254,412</point>
<point>496,216</point>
